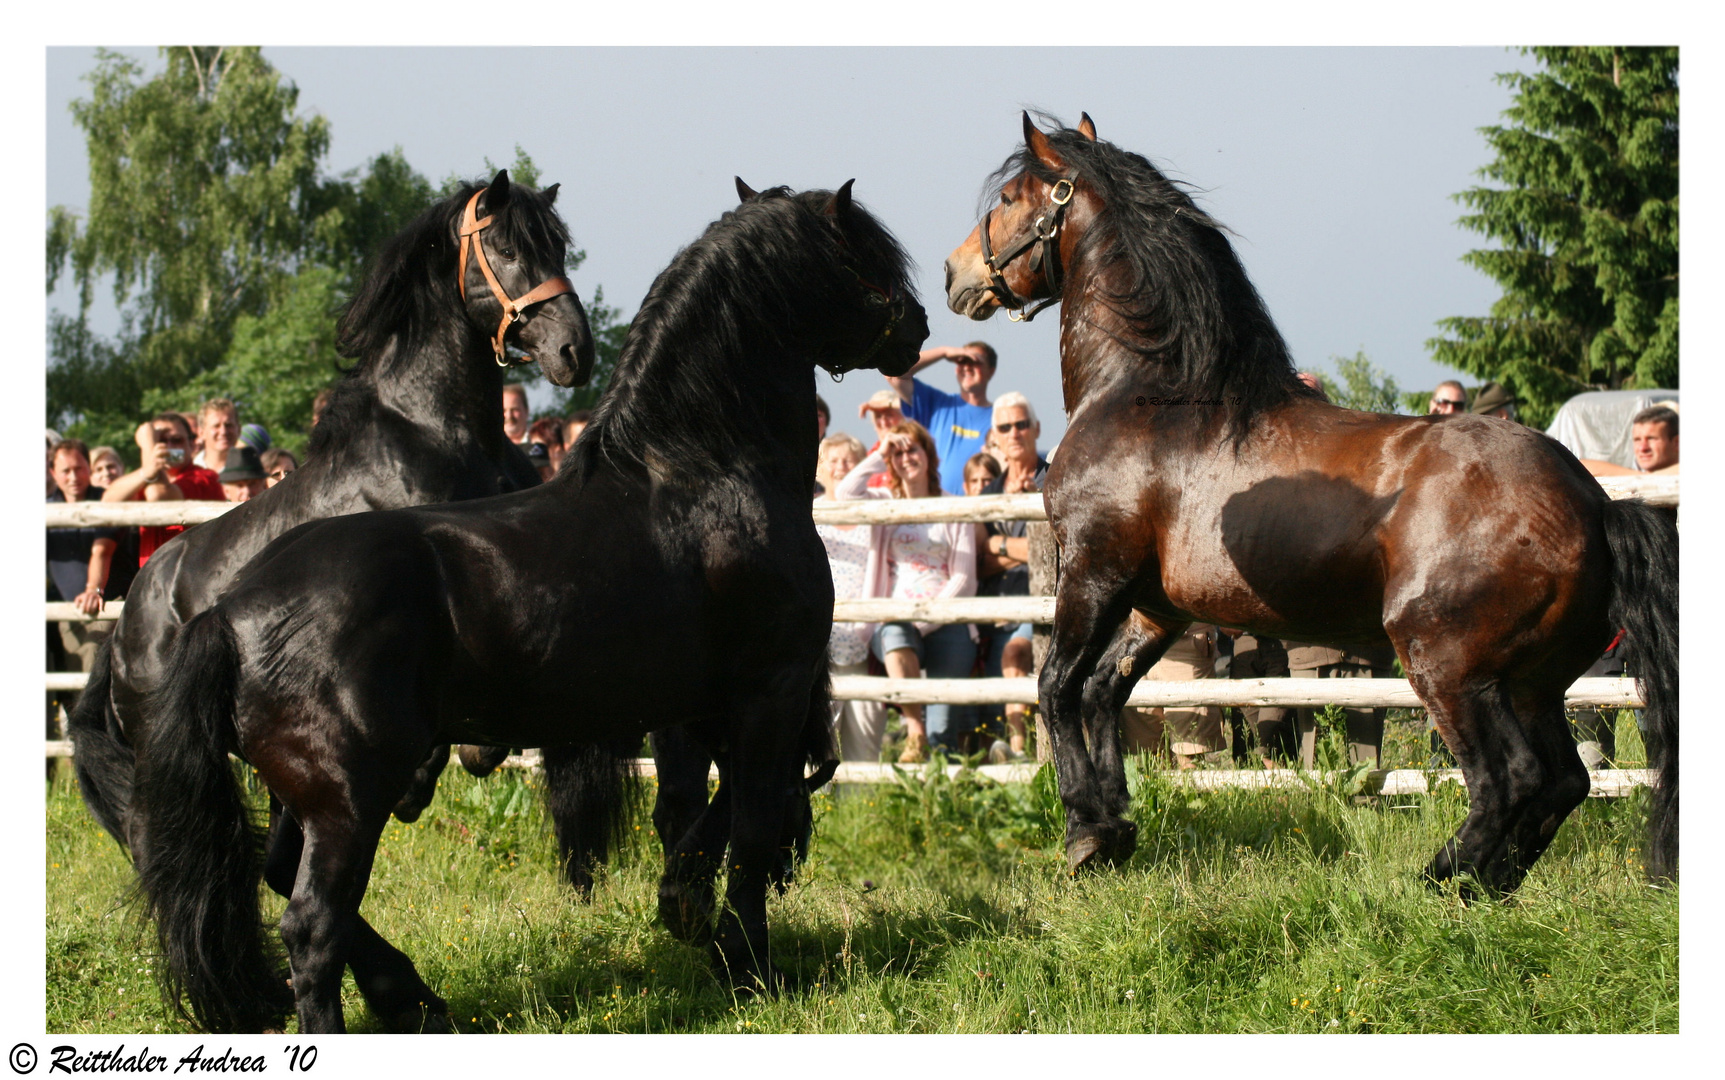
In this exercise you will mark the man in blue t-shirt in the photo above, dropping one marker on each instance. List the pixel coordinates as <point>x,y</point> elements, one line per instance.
<point>958,422</point>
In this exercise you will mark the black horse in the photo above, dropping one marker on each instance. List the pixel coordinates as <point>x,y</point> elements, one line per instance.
<point>1199,480</point>
<point>670,569</point>
<point>417,419</point>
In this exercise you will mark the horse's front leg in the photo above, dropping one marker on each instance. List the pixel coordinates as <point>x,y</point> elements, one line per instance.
<point>1138,643</point>
<point>763,765</point>
<point>1088,621</point>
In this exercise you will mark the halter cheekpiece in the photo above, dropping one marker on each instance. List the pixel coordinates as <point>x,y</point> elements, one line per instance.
<point>1044,235</point>
<point>471,225</point>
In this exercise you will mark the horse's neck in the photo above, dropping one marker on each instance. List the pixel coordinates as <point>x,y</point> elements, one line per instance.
<point>765,422</point>
<point>1101,355</point>
<point>1095,357</point>
<point>450,386</point>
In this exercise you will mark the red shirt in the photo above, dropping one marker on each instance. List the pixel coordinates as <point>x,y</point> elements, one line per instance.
<point>194,482</point>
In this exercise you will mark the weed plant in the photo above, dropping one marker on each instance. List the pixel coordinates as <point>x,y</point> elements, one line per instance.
<point>936,904</point>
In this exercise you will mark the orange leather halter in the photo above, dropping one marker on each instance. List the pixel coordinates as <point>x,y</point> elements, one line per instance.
<point>471,225</point>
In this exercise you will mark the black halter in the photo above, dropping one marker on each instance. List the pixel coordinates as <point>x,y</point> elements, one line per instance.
<point>875,297</point>
<point>1044,231</point>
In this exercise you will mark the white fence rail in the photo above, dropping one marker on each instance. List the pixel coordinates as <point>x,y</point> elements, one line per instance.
<point>1586,693</point>
<point>1656,490</point>
<point>1362,693</point>
<point>1606,783</point>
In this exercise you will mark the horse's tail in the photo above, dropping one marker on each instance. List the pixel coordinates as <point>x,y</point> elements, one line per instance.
<point>592,793</point>
<point>101,755</point>
<point>199,849</point>
<point>817,753</point>
<point>1643,543</point>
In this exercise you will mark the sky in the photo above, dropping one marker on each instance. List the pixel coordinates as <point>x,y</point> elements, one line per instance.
<point>1334,167</point>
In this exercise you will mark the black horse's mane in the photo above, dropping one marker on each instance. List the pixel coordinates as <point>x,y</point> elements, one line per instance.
<point>410,295</point>
<point>1187,301</point>
<point>723,317</point>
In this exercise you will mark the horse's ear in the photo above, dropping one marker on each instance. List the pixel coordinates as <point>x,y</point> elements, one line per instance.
<point>550,193</point>
<point>744,191</point>
<point>497,192</point>
<point>1087,126</point>
<point>1040,146</point>
<point>840,204</point>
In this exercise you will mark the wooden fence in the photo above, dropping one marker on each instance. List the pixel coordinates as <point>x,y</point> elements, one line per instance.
<point>1602,693</point>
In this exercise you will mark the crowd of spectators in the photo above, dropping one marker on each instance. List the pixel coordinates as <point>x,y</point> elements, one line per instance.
<point>925,442</point>
<point>931,442</point>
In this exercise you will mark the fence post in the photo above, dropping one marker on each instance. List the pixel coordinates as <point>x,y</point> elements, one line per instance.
<point>1044,573</point>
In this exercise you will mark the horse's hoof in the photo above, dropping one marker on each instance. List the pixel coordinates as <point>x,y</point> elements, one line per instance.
<point>684,915</point>
<point>482,761</point>
<point>1081,852</point>
<point>1125,842</point>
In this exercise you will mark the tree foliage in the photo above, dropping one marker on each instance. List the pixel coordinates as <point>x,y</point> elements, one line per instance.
<point>230,252</point>
<point>1363,385</point>
<point>1585,215</point>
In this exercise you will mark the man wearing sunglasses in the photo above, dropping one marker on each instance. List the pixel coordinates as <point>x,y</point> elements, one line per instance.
<point>1003,556</point>
<point>958,422</point>
<point>1449,399</point>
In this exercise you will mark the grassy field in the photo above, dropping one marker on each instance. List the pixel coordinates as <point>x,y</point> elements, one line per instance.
<point>938,905</point>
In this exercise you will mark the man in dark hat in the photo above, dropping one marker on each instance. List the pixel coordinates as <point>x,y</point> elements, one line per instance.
<point>244,475</point>
<point>1494,400</point>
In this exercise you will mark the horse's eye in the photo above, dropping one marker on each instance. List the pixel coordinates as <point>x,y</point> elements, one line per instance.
<point>1005,199</point>
<point>507,253</point>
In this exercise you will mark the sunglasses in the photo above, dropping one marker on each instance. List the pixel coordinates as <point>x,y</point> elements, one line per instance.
<point>1011,426</point>
<point>1446,401</point>
<point>898,451</point>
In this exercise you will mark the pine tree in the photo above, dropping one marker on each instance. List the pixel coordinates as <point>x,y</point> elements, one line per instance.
<point>1585,216</point>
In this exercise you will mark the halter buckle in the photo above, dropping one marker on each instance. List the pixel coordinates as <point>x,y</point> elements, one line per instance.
<point>1054,195</point>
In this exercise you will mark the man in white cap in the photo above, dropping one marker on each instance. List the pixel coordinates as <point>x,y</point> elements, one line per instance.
<point>882,410</point>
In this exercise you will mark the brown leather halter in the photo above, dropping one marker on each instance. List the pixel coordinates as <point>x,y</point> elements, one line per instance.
<point>471,225</point>
<point>1045,230</point>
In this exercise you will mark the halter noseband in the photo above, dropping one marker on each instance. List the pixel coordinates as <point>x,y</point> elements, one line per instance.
<point>1045,230</point>
<point>471,225</point>
<point>876,297</point>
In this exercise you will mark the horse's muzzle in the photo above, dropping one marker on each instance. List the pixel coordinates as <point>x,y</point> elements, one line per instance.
<point>967,291</point>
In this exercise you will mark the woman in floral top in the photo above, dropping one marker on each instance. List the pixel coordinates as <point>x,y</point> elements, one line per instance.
<point>917,562</point>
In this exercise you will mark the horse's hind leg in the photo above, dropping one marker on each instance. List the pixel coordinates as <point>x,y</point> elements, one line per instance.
<point>1564,786</point>
<point>386,978</point>
<point>1504,773</point>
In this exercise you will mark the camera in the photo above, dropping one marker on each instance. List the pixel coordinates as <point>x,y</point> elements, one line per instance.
<point>176,456</point>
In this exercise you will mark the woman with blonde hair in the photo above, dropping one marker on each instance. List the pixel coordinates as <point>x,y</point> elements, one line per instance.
<point>858,725</point>
<point>917,562</point>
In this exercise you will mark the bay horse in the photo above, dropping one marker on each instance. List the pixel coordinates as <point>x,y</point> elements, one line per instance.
<point>1199,480</point>
<point>670,572</point>
<point>417,419</point>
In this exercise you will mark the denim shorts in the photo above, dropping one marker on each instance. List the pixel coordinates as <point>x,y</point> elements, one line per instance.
<point>896,635</point>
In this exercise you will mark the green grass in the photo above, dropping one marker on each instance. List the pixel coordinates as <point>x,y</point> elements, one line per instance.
<point>938,905</point>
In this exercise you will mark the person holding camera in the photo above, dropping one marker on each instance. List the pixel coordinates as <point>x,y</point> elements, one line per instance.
<point>167,475</point>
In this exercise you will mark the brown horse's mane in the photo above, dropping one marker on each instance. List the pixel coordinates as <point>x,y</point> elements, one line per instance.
<point>1178,290</point>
